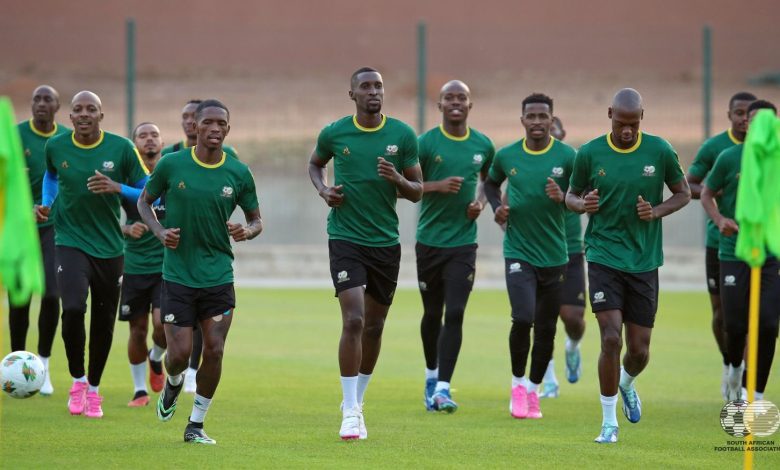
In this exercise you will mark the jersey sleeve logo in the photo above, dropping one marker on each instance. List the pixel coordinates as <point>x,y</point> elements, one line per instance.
<point>108,166</point>
<point>227,191</point>
<point>557,172</point>
<point>478,158</point>
<point>649,170</point>
<point>391,150</point>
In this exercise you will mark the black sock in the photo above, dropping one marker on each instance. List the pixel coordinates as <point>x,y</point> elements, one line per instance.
<point>139,394</point>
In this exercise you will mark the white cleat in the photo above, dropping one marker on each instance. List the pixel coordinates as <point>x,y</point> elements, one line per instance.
<point>350,424</point>
<point>47,389</point>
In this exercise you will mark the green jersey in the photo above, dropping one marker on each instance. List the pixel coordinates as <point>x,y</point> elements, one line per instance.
<point>701,166</point>
<point>199,199</point>
<point>724,177</point>
<point>182,144</point>
<point>34,142</point>
<point>443,220</point>
<point>535,230</point>
<point>367,214</point>
<point>616,236</point>
<point>143,255</point>
<point>573,232</point>
<point>82,219</point>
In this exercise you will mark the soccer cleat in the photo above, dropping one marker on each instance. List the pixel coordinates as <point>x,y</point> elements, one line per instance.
<point>609,435</point>
<point>78,398</point>
<point>533,406</point>
<point>156,376</point>
<point>194,433</point>
<point>363,434</point>
<point>190,384</point>
<point>140,399</point>
<point>518,406</point>
<point>166,402</point>
<point>350,424</point>
<point>47,388</point>
<point>549,390</point>
<point>442,401</point>
<point>430,387</point>
<point>573,365</point>
<point>93,408</point>
<point>632,405</point>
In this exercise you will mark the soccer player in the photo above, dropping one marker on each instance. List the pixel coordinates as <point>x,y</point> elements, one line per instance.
<point>202,187</point>
<point>453,157</point>
<point>719,198</point>
<point>572,311</point>
<point>537,168</point>
<point>142,279</point>
<point>35,132</point>
<point>80,168</point>
<point>702,164</point>
<point>375,160</point>
<point>624,173</point>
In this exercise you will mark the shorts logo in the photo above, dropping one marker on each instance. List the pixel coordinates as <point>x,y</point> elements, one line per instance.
<point>729,280</point>
<point>125,309</point>
<point>227,191</point>
<point>557,172</point>
<point>649,170</point>
<point>602,172</point>
<point>181,185</point>
<point>478,158</point>
<point>515,268</point>
<point>513,172</point>
<point>345,151</point>
<point>423,286</point>
<point>598,297</point>
<point>712,282</point>
<point>391,150</point>
<point>342,277</point>
<point>438,159</point>
<point>59,268</point>
<point>108,166</point>
<point>169,318</point>
<point>581,296</point>
<point>470,277</point>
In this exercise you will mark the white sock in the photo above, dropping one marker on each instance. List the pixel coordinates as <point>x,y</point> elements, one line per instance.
<point>138,371</point>
<point>362,385</point>
<point>431,373</point>
<point>175,380</point>
<point>572,344</point>
<point>519,381</point>
<point>758,395</point>
<point>82,379</point>
<point>442,386</point>
<point>626,380</point>
<point>45,361</point>
<point>92,388</point>
<point>156,353</point>
<point>190,372</point>
<point>549,374</point>
<point>735,375</point>
<point>349,391</point>
<point>609,410</point>
<point>532,387</point>
<point>199,408</point>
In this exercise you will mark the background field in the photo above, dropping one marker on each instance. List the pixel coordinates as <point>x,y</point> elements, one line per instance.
<point>277,405</point>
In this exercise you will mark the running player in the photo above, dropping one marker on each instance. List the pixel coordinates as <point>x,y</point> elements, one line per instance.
<point>369,150</point>
<point>572,311</point>
<point>723,180</point>
<point>80,168</point>
<point>453,157</point>
<point>142,279</point>
<point>537,169</point>
<point>625,172</point>
<point>699,169</point>
<point>202,187</point>
<point>35,132</point>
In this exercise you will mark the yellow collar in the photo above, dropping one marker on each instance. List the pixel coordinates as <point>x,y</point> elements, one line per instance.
<point>369,129</point>
<point>455,138</point>
<point>538,152</point>
<point>43,134</point>
<point>91,146</point>
<point>628,150</point>
<point>207,165</point>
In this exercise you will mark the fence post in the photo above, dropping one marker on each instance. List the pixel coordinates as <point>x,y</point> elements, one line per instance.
<point>130,75</point>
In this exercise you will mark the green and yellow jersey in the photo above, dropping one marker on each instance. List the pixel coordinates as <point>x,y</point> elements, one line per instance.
<point>143,255</point>
<point>573,233</point>
<point>724,177</point>
<point>182,144</point>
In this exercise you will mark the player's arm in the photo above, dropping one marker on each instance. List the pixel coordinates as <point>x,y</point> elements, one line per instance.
<point>474,209</point>
<point>695,184</point>
<point>727,226</point>
<point>50,189</point>
<point>681,195</point>
<point>169,237</point>
<point>450,185</point>
<point>318,173</point>
<point>254,225</point>
<point>102,184</point>
<point>409,183</point>
<point>578,199</point>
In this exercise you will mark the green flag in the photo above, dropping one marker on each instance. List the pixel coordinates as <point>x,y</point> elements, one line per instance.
<point>21,267</point>
<point>758,195</point>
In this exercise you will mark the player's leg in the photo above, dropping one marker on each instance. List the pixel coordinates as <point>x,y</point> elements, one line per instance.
<point>712,265</point>
<point>521,284</point>
<point>104,291</point>
<point>735,301</point>
<point>136,353</point>
<point>572,314</point>
<point>192,370</point>
<point>179,314</point>
<point>156,375</point>
<point>18,324</point>
<point>50,305</point>
<point>429,279</point>
<point>768,323</point>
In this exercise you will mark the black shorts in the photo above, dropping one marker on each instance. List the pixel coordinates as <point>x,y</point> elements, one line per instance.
<point>437,265</point>
<point>634,294</point>
<point>376,268</point>
<point>185,306</point>
<point>574,285</point>
<point>139,293</point>
<point>712,268</point>
<point>735,295</point>
<point>533,291</point>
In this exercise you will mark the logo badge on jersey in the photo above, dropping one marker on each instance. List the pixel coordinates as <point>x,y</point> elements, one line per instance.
<point>478,158</point>
<point>513,172</point>
<point>649,170</point>
<point>438,159</point>
<point>342,277</point>
<point>345,151</point>
<point>602,172</point>
<point>391,150</point>
<point>181,185</point>
<point>108,166</point>
<point>730,281</point>
<point>515,268</point>
<point>557,172</point>
<point>64,164</point>
<point>598,298</point>
<point>27,153</point>
<point>227,191</point>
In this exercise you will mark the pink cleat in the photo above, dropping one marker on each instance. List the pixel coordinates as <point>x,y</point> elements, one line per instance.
<point>93,409</point>
<point>78,397</point>
<point>533,406</point>
<point>519,404</point>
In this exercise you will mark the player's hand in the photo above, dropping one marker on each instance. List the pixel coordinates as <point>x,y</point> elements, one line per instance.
<point>238,232</point>
<point>644,209</point>
<point>451,185</point>
<point>474,209</point>
<point>728,227</point>
<point>332,195</point>
<point>387,171</point>
<point>41,213</point>
<point>136,230</point>
<point>553,191</point>
<point>592,202</point>
<point>102,184</point>
<point>502,214</point>
<point>170,237</point>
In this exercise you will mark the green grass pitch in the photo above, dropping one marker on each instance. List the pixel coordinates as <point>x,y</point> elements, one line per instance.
<point>278,403</point>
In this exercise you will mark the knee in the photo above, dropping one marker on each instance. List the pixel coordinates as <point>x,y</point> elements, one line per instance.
<point>213,351</point>
<point>138,334</point>
<point>353,325</point>
<point>175,356</point>
<point>454,317</point>
<point>611,342</point>
<point>374,329</point>
<point>640,353</point>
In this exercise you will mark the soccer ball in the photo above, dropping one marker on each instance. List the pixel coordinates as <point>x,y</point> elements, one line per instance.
<point>22,374</point>
<point>732,418</point>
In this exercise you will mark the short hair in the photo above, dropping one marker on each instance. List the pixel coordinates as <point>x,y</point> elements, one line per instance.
<point>557,120</point>
<point>742,96</point>
<point>210,103</point>
<point>138,126</point>
<point>761,104</point>
<point>358,72</point>
<point>193,102</point>
<point>538,98</point>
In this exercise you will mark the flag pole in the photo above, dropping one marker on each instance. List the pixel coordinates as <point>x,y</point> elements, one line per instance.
<point>755,290</point>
